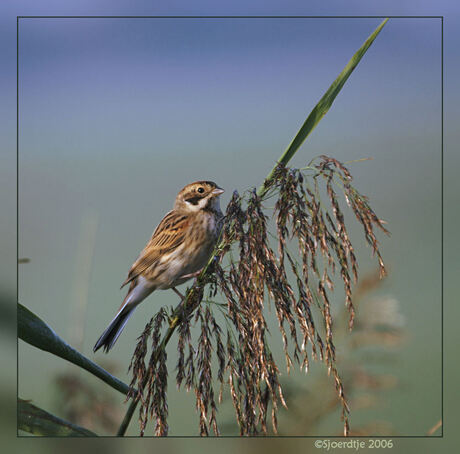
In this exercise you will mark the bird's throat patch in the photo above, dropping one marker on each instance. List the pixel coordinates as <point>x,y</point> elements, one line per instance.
<point>194,200</point>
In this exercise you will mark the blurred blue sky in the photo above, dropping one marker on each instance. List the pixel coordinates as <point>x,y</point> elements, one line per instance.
<point>158,74</point>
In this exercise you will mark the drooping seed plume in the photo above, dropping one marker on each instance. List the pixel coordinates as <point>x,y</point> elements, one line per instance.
<point>285,257</point>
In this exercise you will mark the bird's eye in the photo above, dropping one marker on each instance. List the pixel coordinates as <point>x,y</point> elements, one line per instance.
<point>200,190</point>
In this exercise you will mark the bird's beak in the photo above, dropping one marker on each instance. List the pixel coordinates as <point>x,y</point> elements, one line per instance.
<point>218,191</point>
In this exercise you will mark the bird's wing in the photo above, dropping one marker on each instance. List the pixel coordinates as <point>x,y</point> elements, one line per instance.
<point>169,235</point>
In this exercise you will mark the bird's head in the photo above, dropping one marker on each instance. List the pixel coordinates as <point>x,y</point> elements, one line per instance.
<point>198,196</point>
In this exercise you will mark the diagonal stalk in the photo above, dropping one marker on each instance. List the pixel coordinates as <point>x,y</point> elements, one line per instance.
<point>132,407</point>
<point>175,319</point>
<point>310,123</point>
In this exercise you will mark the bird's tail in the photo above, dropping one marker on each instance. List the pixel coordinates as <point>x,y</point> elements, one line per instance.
<point>110,335</point>
<point>138,291</point>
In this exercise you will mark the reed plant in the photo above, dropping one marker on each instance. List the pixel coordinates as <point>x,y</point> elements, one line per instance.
<point>282,245</point>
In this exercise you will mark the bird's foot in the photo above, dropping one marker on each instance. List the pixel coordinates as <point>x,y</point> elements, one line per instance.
<point>191,275</point>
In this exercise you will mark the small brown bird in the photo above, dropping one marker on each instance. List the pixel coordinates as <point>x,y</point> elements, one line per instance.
<point>179,248</point>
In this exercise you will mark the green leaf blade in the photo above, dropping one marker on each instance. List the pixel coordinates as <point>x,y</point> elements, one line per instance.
<point>36,421</point>
<point>33,330</point>
<point>324,104</point>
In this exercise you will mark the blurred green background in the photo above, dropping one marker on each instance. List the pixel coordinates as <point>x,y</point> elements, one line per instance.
<point>115,117</point>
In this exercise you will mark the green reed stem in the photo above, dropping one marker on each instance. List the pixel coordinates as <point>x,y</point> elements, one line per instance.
<point>310,123</point>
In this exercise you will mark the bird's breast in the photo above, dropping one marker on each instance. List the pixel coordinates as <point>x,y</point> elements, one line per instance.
<point>193,254</point>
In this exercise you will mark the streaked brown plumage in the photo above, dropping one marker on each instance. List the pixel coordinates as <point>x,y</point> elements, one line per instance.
<point>179,248</point>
